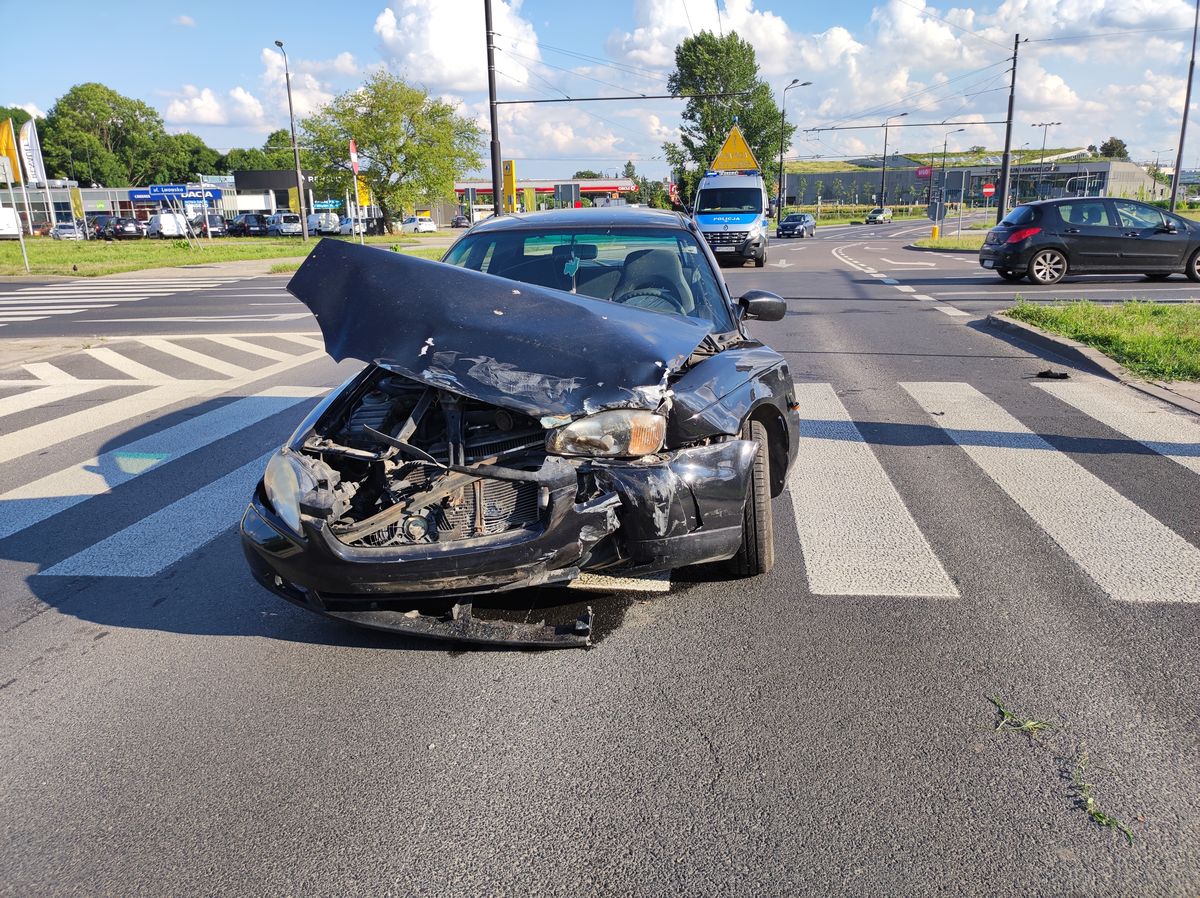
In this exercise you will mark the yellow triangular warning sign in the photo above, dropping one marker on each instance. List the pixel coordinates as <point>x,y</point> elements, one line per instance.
<point>735,153</point>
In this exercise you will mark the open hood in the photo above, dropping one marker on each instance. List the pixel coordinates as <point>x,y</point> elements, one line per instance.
<point>532,349</point>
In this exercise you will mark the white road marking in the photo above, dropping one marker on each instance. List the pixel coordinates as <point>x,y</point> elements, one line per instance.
<point>126,365</point>
<point>21,402</point>
<point>1167,432</point>
<point>922,264</point>
<point>1129,554</point>
<point>51,433</point>
<point>17,314</point>
<point>21,318</point>
<point>904,288</point>
<point>856,535</point>
<point>46,371</point>
<point>196,358</point>
<point>204,319</point>
<point>34,502</point>
<point>312,340</point>
<point>74,301</point>
<point>953,312</point>
<point>252,348</point>
<point>156,542</point>
<point>924,297</point>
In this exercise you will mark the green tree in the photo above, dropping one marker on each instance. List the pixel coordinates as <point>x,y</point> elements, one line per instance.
<point>837,189</point>
<point>278,150</point>
<point>16,113</point>
<point>630,170</point>
<point>192,157</point>
<point>411,147</point>
<point>1114,148</point>
<point>97,135</point>
<point>709,64</point>
<point>238,159</point>
<point>584,173</point>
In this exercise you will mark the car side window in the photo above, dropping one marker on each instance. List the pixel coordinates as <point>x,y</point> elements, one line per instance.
<point>1089,212</point>
<point>1135,215</point>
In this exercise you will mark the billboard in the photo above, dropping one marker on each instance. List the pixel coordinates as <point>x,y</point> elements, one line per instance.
<point>925,171</point>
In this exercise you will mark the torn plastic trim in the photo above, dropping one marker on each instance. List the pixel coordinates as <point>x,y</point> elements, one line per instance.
<point>460,625</point>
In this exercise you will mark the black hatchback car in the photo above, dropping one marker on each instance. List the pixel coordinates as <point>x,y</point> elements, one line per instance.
<point>248,224</point>
<point>566,392</point>
<point>122,229</point>
<point>798,224</point>
<point>1045,241</point>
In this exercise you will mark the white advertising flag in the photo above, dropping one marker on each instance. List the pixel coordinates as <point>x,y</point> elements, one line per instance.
<point>31,154</point>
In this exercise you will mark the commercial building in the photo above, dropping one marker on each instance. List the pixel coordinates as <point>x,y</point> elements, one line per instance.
<point>907,183</point>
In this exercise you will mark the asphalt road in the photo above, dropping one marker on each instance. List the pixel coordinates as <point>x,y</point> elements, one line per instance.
<point>956,529</point>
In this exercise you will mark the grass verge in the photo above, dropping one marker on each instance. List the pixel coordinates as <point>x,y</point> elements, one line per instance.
<point>90,258</point>
<point>1160,341</point>
<point>967,242</point>
<point>421,252</point>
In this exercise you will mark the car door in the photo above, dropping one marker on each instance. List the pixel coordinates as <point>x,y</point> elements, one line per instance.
<point>1088,228</point>
<point>1148,242</point>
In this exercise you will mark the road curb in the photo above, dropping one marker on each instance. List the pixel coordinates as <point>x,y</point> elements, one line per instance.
<point>1076,352</point>
<point>934,249</point>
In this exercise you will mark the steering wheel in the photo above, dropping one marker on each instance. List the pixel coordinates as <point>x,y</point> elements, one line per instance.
<point>650,287</point>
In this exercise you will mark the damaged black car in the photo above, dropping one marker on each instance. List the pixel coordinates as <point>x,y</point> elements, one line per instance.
<point>565,393</point>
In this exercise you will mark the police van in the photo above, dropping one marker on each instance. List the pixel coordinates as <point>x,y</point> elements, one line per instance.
<point>731,206</point>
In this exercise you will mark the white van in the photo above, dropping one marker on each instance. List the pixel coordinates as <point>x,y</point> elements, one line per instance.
<point>167,224</point>
<point>323,223</point>
<point>10,224</point>
<point>284,224</point>
<point>733,213</point>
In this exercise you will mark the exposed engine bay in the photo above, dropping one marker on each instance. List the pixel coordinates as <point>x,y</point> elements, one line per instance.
<point>394,462</point>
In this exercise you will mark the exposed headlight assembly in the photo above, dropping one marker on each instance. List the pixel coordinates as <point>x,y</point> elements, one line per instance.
<point>285,481</point>
<point>621,433</point>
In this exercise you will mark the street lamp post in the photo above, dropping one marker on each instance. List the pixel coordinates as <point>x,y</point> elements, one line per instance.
<point>942,204</point>
<point>287,75</point>
<point>1045,126</point>
<point>796,82</point>
<point>883,171</point>
<point>1157,170</point>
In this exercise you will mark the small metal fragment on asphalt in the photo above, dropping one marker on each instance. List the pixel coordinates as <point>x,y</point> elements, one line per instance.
<point>1051,374</point>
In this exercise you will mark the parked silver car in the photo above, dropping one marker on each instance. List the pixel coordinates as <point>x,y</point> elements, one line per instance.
<point>284,224</point>
<point>67,230</point>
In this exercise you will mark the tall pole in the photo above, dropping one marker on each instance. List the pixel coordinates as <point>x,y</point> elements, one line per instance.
<point>883,171</point>
<point>1045,126</point>
<point>1187,105</point>
<point>491,62</point>
<point>1006,162</point>
<point>287,74</point>
<point>942,205</point>
<point>796,82</point>
<point>5,167</point>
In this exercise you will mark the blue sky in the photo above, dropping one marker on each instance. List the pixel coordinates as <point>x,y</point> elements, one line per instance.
<point>211,67</point>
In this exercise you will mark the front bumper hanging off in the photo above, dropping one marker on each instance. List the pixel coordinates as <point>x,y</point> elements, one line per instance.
<point>675,510</point>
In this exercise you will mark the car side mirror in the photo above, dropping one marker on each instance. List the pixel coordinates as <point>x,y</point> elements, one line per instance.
<point>1168,228</point>
<point>761,305</point>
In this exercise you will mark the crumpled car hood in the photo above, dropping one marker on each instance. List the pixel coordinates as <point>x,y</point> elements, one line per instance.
<point>532,349</point>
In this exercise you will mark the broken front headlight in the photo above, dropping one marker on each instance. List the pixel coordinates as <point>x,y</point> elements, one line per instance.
<point>621,433</point>
<point>285,481</point>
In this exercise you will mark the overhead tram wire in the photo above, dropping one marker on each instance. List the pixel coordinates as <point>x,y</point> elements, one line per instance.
<point>688,16</point>
<point>564,69</point>
<point>606,63</point>
<point>1100,34</point>
<point>925,11</point>
<point>567,97</point>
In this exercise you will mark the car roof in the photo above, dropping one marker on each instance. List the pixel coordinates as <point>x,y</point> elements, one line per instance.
<point>604,217</point>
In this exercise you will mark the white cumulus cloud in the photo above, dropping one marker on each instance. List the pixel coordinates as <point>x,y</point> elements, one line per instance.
<point>185,21</point>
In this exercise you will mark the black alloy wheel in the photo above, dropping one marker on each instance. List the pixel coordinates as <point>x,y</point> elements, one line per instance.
<point>757,553</point>
<point>1193,267</point>
<point>1048,266</point>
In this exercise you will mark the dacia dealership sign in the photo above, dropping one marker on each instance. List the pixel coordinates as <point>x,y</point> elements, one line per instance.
<point>177,191</point>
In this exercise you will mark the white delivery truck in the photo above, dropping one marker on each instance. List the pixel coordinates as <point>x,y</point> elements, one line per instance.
<point>731,206</point>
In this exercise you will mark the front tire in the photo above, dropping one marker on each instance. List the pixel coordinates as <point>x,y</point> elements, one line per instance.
<point>760,261</point>
<point>1193,267</point>
<point>757,553</point>
<point>1048,266</point>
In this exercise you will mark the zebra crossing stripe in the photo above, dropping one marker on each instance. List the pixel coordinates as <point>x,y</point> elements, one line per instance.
<point>126,365</point>
<point>252,348</point>
<point>46,371</point>
<point>196,358</point>
<point>1131,555</point>
<point>22,402</point>
<point>34,502</point>
<point>1166,432</point>
<point>856,535</point>
<point>156,542</point>
<point>51,433</point>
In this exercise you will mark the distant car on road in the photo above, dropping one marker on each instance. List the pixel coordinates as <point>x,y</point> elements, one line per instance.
<point>798,224</point>
<point>122,229</point>
<point>1045,241</point>
<point>879,215</point>
<point>248,224</point>
<point>415,225</point>
<point>460,221</point>
<point>284,224</point>
<point>67,230</point>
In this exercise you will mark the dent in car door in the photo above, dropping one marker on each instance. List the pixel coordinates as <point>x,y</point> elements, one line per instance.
<point>1088,228</point>
<point>1145,244</point>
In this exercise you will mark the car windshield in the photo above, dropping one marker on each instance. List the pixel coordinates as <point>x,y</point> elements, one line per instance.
<point>663,270</point>
<point>729,199</point>
<point>794,218</point>
<point>876,211</point>
<point>1020,216</point>
<point>291,219</point>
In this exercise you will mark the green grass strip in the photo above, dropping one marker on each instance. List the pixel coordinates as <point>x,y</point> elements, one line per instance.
<point>1160,341</point>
